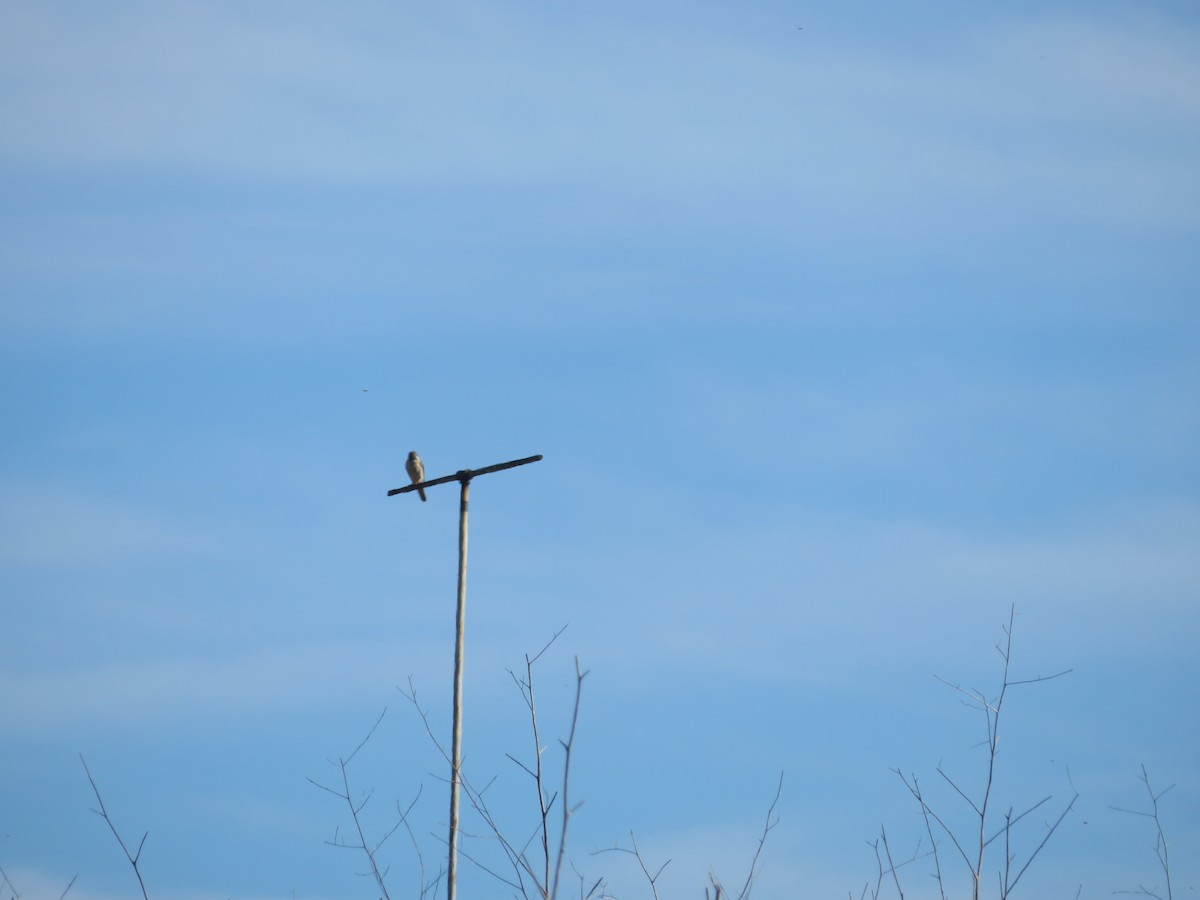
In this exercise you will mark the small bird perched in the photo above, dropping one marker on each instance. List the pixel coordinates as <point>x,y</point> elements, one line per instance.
<point>416,471</point>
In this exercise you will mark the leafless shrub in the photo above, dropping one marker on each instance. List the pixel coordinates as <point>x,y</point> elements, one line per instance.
<point>533,873</point>
<point>716,890</point>
<point>425,888</point>
<point>971,849</point>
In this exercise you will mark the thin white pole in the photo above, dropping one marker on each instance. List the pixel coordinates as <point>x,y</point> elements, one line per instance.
<point>460,628</point>
<point>463,477</point>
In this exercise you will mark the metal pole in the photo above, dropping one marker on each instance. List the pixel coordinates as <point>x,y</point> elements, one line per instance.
<point>456,736</point>
<point>463,477</point>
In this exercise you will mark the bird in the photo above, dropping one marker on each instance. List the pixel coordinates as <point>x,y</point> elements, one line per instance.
<point>416,471</point>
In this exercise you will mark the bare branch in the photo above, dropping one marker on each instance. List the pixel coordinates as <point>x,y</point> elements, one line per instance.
<point>554,638</point>
<point>371,851</point>
<point>517,885</point>
<point>879,866</point>
<point>653,879</point>
<point>363,742</point>
<point>102,812</point>
<point>516,858</point>
<point>637,854</point>
<point>568,745</point>
<point>424,887</point>
<point>1160,842</point>
<point>1009,874</point>
<point>1016,819</point>
<point>1053,828</point>
<point>1043,677</point>
<point>891,865</point>
<point>959,791</point>
<point>528,771</point>
<point>915,788</point>
<point>768,826</point>
<point>67,889</point>
<point>411,696</point>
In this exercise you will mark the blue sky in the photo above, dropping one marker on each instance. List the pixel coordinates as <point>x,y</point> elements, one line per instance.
<point>842,329</point>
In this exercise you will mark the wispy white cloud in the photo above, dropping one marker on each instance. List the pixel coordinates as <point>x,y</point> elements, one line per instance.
<point>487,137</point>
<point>153,691</point>
<point>802,594</point>
<point>32,882</point>
<point>48,525</point>
<point>480,94</point>
<point>901,410</point>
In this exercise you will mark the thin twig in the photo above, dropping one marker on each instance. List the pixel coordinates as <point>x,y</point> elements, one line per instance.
<point>548,644</point>
<point>929,809</point>
<point>768,827</point>
<point>67,889</point>
<point>527,694</point>
<point>992,711</point>
<point>102,812</point>
<point>371,852</point>
<point>1007,855</point>
<point>1053,828</point>
<point>411,696</point>
<point>891,865</point>
<point>568,746</point>
<point>959,791</point>
<point>1160,842</point>
<point>424,887</point>
<point>1018,818</point>
<point>993,723</point>
<point>879,866</point>
<point>915,788</point>
<point>653,879</point>
<point>598,885</point>
<point>636,853</point>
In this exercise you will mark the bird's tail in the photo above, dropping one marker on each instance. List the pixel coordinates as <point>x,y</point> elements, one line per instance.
<point>421,491</point>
